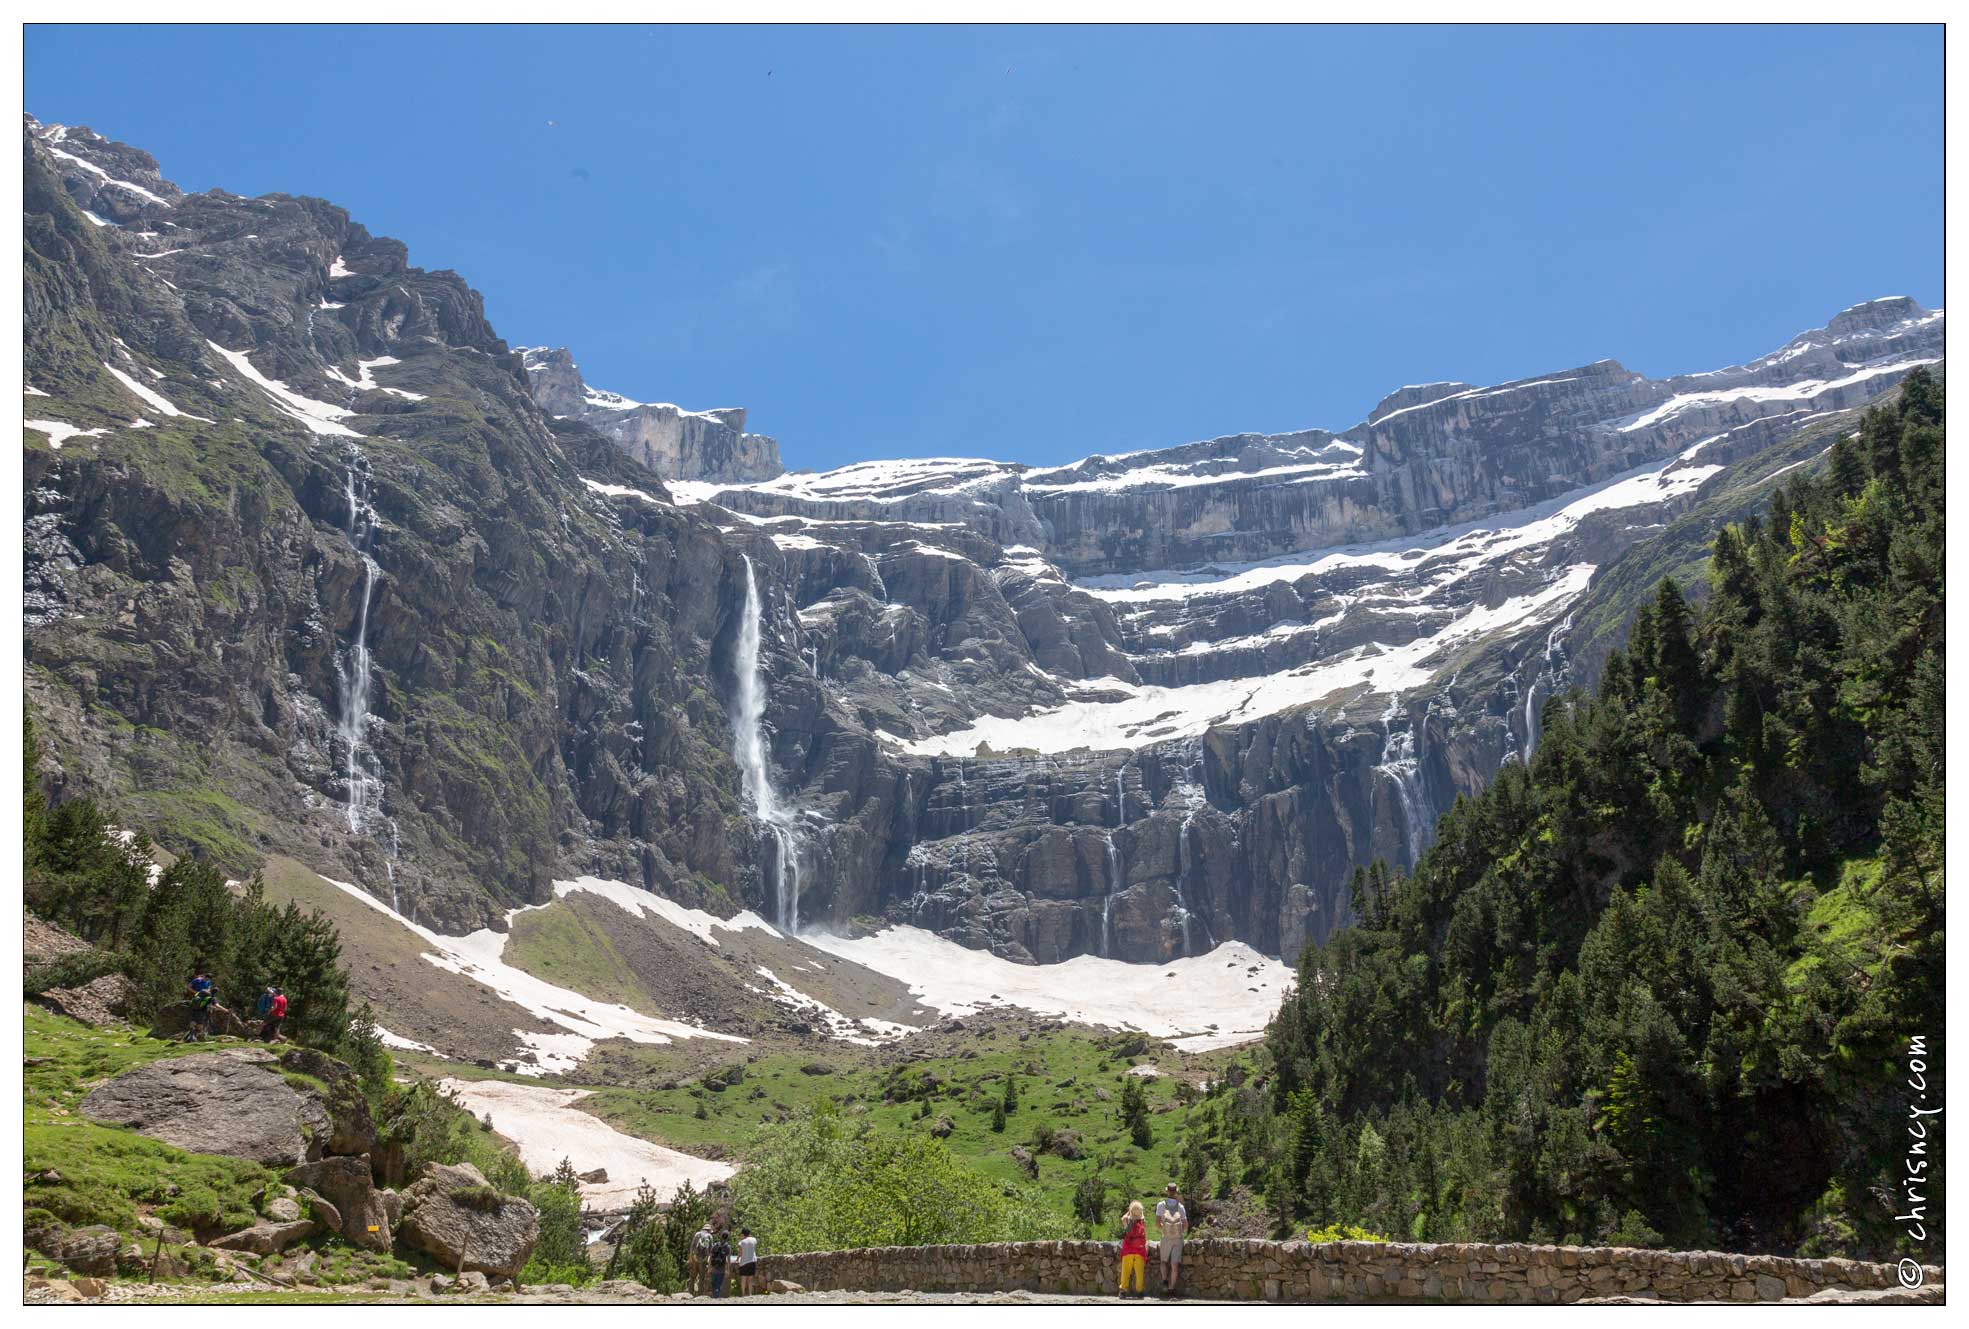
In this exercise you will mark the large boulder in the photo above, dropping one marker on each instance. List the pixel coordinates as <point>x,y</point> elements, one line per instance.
<point>453,1215</point>
<point>232,1102</point>
<point>351,1129</point>
<point>359,1211</point>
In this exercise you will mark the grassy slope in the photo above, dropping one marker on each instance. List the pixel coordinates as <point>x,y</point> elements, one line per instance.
<point>567,946</point>
<point>971,1081</point>
<point>109,1175</point>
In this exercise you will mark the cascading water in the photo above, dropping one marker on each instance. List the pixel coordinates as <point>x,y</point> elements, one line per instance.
<point>750,725</point>
<point>1195,798</point>
<point>365,781</point>
<point>1553,663</point>
<point>1401,764</point>
<point>1114,861</point>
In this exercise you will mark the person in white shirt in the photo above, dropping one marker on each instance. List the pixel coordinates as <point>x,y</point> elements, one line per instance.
<point>1173,1220</point>
<point>748,1261</point>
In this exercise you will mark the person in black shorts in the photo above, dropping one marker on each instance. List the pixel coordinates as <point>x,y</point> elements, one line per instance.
<point>748,1262</point>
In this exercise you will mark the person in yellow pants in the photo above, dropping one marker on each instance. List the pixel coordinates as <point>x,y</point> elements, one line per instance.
<point>1134,1249</point>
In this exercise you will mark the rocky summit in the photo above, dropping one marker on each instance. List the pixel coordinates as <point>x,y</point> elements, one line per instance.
<point>318,565</point>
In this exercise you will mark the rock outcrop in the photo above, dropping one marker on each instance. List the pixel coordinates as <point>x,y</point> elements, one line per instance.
<point>232,1102</point>
<point>675,443</point>
<point>360,1211</point>
<point>104,1000</point>
<point>452,1215</point>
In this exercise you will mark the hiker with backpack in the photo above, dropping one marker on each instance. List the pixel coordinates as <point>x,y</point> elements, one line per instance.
<point>698,1262</point>
<point>276,1015</point>
<point>721,1258</point>
<point>1173,1221</point>
<point>199,993</point>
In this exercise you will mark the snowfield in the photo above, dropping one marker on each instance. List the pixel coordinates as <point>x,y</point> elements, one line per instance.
<point>547,1126</point>
<point>1201,1001</point>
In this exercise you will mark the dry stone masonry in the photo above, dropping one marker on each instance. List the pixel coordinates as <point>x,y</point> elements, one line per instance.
<point>1298,1271</point>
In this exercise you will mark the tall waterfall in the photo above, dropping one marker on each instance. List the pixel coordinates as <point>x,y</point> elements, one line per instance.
<point>752,761</point>
<point>365,781</point>
<point>1107,900</point>
<point>1401,764</point>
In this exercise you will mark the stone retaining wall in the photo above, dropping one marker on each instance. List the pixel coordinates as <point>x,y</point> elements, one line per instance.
<point>1340,1271</point>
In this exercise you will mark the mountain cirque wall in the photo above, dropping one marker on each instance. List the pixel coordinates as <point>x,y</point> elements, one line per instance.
<point>441,619</point>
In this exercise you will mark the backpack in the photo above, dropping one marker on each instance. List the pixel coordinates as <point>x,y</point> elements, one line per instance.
<point>701,1243</point>
<point>201,992</point>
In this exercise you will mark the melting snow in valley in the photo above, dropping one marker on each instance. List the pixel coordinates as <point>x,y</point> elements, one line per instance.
<point>1202,1001</point>
<point>547,1126</point>
<point>479,957</point>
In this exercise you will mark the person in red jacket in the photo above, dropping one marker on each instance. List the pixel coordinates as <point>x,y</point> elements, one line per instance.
<point>1134,1248</point>
<point>276,1015</point>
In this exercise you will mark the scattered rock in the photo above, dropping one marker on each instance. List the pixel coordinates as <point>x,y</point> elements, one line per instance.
<point>327,1214</point>
<point>264,1238</point>
<point>942,1127</point>
<point>1026,1162</point>
<point>346,1183</point>
<point>87,1250</point>
<point>91,1288</point>
<point>595,1175</point>
<point>473,1281</point>
<point>785,1285</point>
<point>58,1288</point>
<point>1066,1144</point>
<point>450,1213</point>
<point>101,1001</point>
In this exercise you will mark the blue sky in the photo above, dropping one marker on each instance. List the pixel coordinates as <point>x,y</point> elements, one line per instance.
<point>1038,243</point>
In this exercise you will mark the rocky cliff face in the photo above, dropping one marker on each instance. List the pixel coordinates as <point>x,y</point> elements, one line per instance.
<point>675,443</point>
<point>441,619</point>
